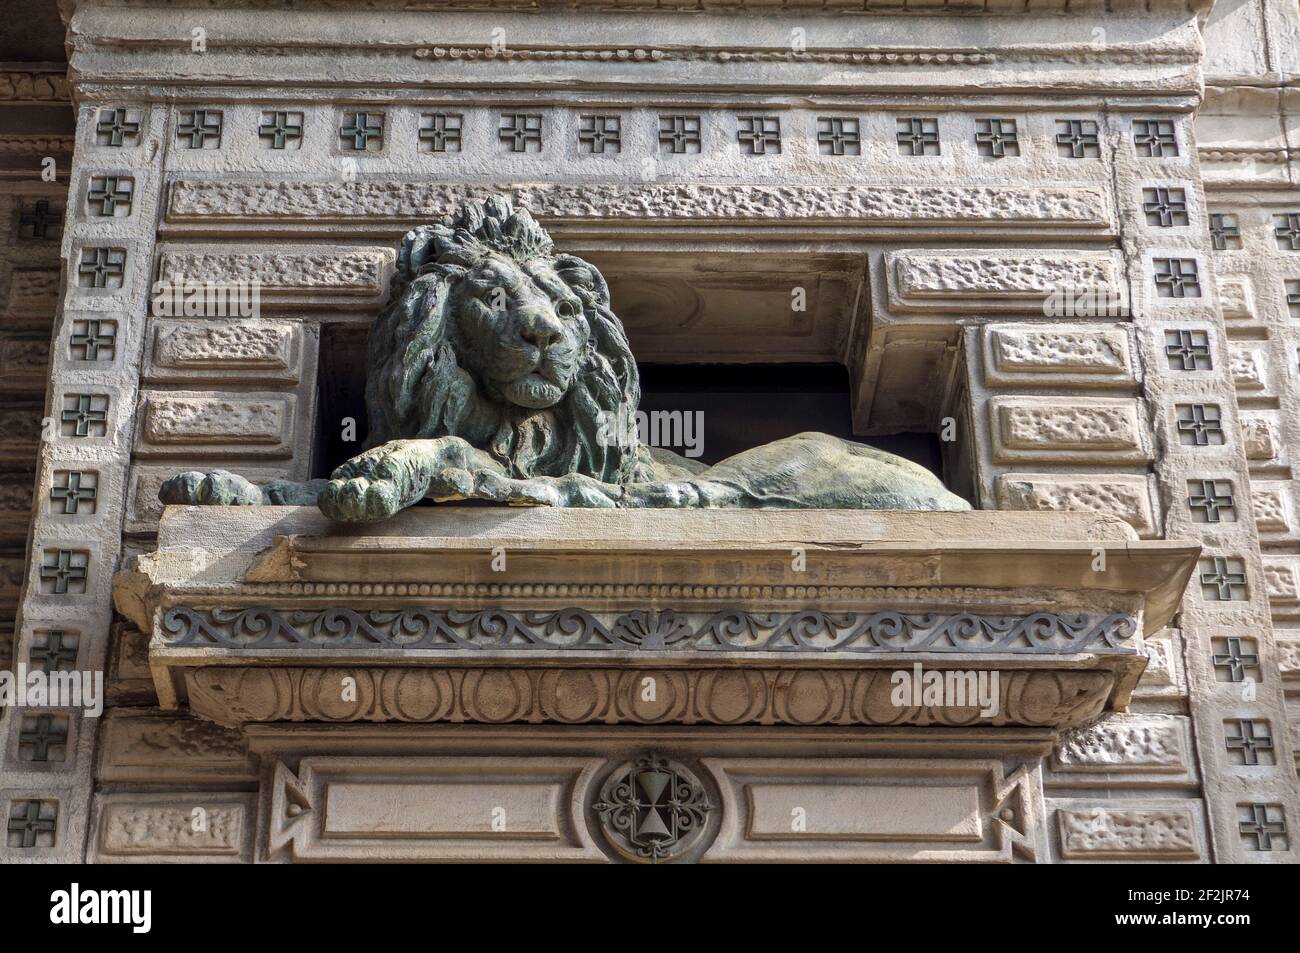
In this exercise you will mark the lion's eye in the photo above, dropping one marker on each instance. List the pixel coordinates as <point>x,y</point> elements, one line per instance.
<point>566,309</point>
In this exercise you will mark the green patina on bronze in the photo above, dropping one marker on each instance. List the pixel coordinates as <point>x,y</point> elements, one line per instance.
<point>499,373</point>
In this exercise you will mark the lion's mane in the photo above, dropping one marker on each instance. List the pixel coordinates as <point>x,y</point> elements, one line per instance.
<point>416,386</point>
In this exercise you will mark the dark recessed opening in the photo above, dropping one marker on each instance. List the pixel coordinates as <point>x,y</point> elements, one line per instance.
<point>746,405</point>
<point>340,397</point>
<point>731,407</point>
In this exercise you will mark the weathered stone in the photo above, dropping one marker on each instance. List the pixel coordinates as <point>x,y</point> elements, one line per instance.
<point>1050,429</point>
<point>1124,495</point>
<point>1053,353</point>
<point>173,420</point>
<point>1126,744</point>
<point>1164,832</point>
<point>242,201</point>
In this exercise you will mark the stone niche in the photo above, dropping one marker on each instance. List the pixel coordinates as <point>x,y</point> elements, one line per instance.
<point>516,683</point>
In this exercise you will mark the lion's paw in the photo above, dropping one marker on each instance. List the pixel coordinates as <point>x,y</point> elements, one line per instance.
<point>359,500</point>
<point>218,488</point>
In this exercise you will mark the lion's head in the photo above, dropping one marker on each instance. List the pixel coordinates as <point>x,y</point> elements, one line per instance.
<point>493,337</point>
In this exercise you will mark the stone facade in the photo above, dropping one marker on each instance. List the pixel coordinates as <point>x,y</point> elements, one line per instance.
<point>1062,236</point>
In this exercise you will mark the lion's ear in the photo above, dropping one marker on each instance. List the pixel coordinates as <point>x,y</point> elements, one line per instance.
<point>582,276</point>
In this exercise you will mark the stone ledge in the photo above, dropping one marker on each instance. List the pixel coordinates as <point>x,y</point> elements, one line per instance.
<point>265,621</point>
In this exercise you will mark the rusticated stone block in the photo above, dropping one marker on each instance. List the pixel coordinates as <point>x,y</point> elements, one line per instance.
<point>22,362</point>
<point>143,828</point>
<point>1269,503</point>
<point>1163,677</point>
<point>1260,437</point>
<point>32,292</point>
<point>1126,744</point>
<point>1058,355</point>
<point>179,424</point>
<point>1127,831</point>
<point>1100,430</point>
<point>1237,298</point>
<point>318,276</point>
<point>1288,658</point>
<point>1124,495</point>
<point>1281,580</point>
<point>1019,280</point>
<point>159,747</point>
<point>258,350</point>
<point>1247,365</point>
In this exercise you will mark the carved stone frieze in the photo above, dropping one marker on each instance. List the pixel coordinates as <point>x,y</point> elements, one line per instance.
<point>647,630</point>
<point>633,695</point>
<point>195,200</point>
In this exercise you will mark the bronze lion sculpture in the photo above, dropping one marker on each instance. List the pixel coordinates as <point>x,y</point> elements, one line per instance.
<point>499,372</point>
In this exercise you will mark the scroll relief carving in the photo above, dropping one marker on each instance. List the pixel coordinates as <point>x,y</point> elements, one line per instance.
<point>648,630</point>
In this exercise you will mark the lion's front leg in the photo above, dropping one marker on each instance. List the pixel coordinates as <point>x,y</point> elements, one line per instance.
<point>387,479</point>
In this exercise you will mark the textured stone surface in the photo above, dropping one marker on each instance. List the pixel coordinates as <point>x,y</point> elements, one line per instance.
<point>1269,503</point>
<point>151,827</point>
<point>1248,367</point>
<point>1012,274</point>
<point>212,345</point>
<point>992,239</point>
<point>244,200</point>
<point>1041,428</point>
<point>1162,833</point>
<point>348,271</point>
<point>1127,496</point>
<point>1126,744</point>
<point>1100,351</point>
<point>170,420</point>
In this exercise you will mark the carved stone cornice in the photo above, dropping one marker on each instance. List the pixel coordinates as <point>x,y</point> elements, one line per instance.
<point>1155,51</point>
<point>801,7</point>
<point>285,618</point>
